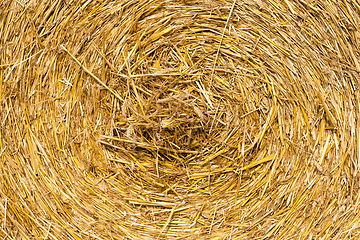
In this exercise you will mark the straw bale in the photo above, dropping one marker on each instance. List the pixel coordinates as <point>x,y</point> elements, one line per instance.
<point>214,119</point>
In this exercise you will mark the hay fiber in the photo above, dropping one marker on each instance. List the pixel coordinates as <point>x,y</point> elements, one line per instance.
<point>166,119</point>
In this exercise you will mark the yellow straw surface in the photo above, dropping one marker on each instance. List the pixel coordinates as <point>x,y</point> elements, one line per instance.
<point>153,119</point>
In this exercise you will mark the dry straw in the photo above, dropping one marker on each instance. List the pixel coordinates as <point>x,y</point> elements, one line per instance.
<point>143,119</point>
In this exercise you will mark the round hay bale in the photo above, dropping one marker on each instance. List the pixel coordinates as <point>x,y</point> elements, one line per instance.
<point>179,119</point>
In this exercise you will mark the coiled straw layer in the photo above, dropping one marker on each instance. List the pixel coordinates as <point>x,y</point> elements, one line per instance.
<point>179,119</point>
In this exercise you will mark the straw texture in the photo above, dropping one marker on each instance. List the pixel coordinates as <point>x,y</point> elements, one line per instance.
<point>157,119</point>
